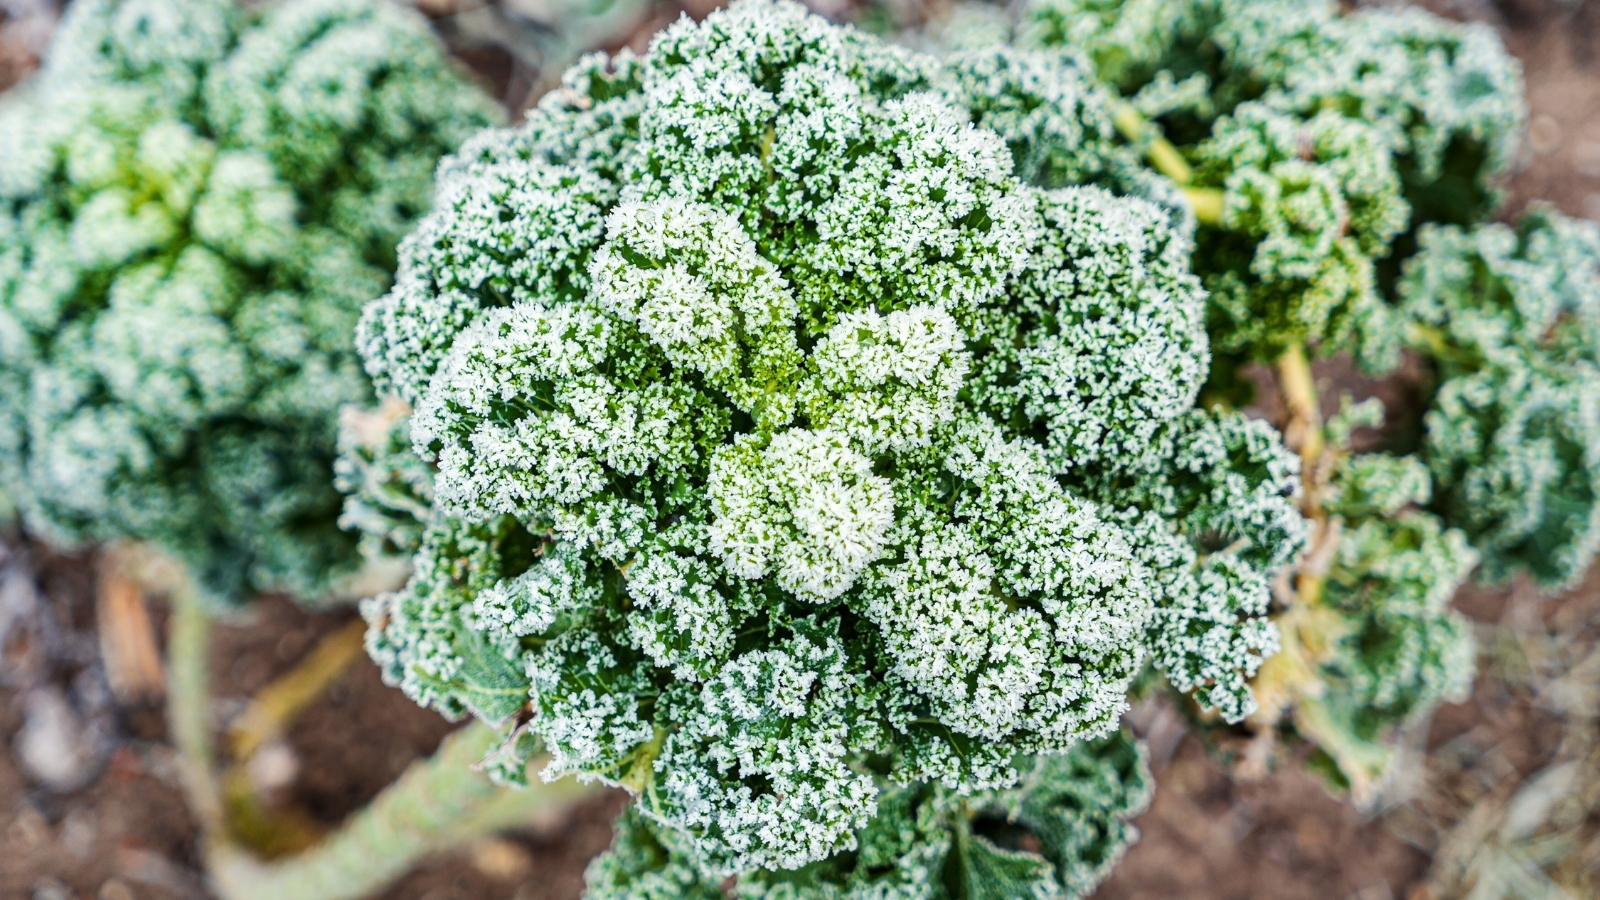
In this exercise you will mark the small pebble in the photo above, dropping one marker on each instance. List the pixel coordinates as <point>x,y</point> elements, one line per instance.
<point>273,767</point>
<point>54,747</point>
<point>29,829</point>
<point>77,833</point>
<point>51,889</point>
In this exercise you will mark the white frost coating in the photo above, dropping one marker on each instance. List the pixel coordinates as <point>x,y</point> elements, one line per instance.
<point>806,507</point>
<point>1104,338</point>
<point>784,716</point>
<point>576,422</point>
<point>691,280</point>
<point>506,227</point>
<point>689,625</point>
<point>887,381</point>
<point>533,601</point>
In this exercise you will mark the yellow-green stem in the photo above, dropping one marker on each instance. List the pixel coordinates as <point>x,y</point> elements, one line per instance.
<point>1304,432</point>
<point>1162,155</point>
<point>437,804</point>
<point>1207,204</point>
<point>279,703</point>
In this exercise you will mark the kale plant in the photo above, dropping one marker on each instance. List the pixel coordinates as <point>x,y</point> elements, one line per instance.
<point>1510,317</point>
<point>1354,155</point>
<point>814,453</point>
<point>1370,640</point>
<point>194,203</point>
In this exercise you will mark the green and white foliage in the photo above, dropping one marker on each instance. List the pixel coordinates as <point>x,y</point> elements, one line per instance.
<point>1110,279</point>
<point>1229,487</point>
<point>1445,95</point>
<point>766,402</point>
<point>1510,317</point>
<point>1056,118</point>
<point>648,862</point>
<point>1211,495</point>
<point>388,489</point>
<point>1395,649</point>
<point>1330,136</point>
<point>927,842</point>
<point>1127,41</point>
<point>194,203</point>
<point>1308,205</point>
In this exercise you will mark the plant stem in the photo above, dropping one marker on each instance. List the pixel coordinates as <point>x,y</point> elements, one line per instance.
<point>1162,155</point>
<point>1304,626</point>
<point>1304,434</point>
<point>189,704</point>
<point>1206,202</point>
<point>439,803</point>
<point>1304,431</point>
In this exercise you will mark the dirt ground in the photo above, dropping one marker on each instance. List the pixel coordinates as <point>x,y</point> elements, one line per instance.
<point>115,826</point>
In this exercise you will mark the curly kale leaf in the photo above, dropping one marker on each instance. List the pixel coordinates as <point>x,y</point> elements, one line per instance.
<point>1055,835</point>
<point>1330,137</point>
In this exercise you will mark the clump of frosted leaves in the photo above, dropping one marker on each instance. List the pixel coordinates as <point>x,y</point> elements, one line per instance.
<point>388,489</point>
<point>1394,649</point>
<point>1125,40</point>
<point>178,286</point>
<point>1043,674</point>
<point>1328,134</point>
<point>1446,96</point>
<point>887,382</point>
<point>1214,504</point>
<point>806,508</point>
<point>789,716</point>
<point>1100,341</point>
<point>1112,276</point>
<point>1308,206</point>
<point>1055,117</point>
<point>1511,318</point>
<point>929,843</point>
<point>717,496</point>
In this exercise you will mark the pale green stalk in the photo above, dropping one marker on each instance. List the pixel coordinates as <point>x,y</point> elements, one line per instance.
<point>189,703</point>
<point>439,803</point>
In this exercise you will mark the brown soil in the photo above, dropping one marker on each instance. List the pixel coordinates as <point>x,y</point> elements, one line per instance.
<point>25,27</point>
<point>1207,836</point>
<point>129,830</point>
